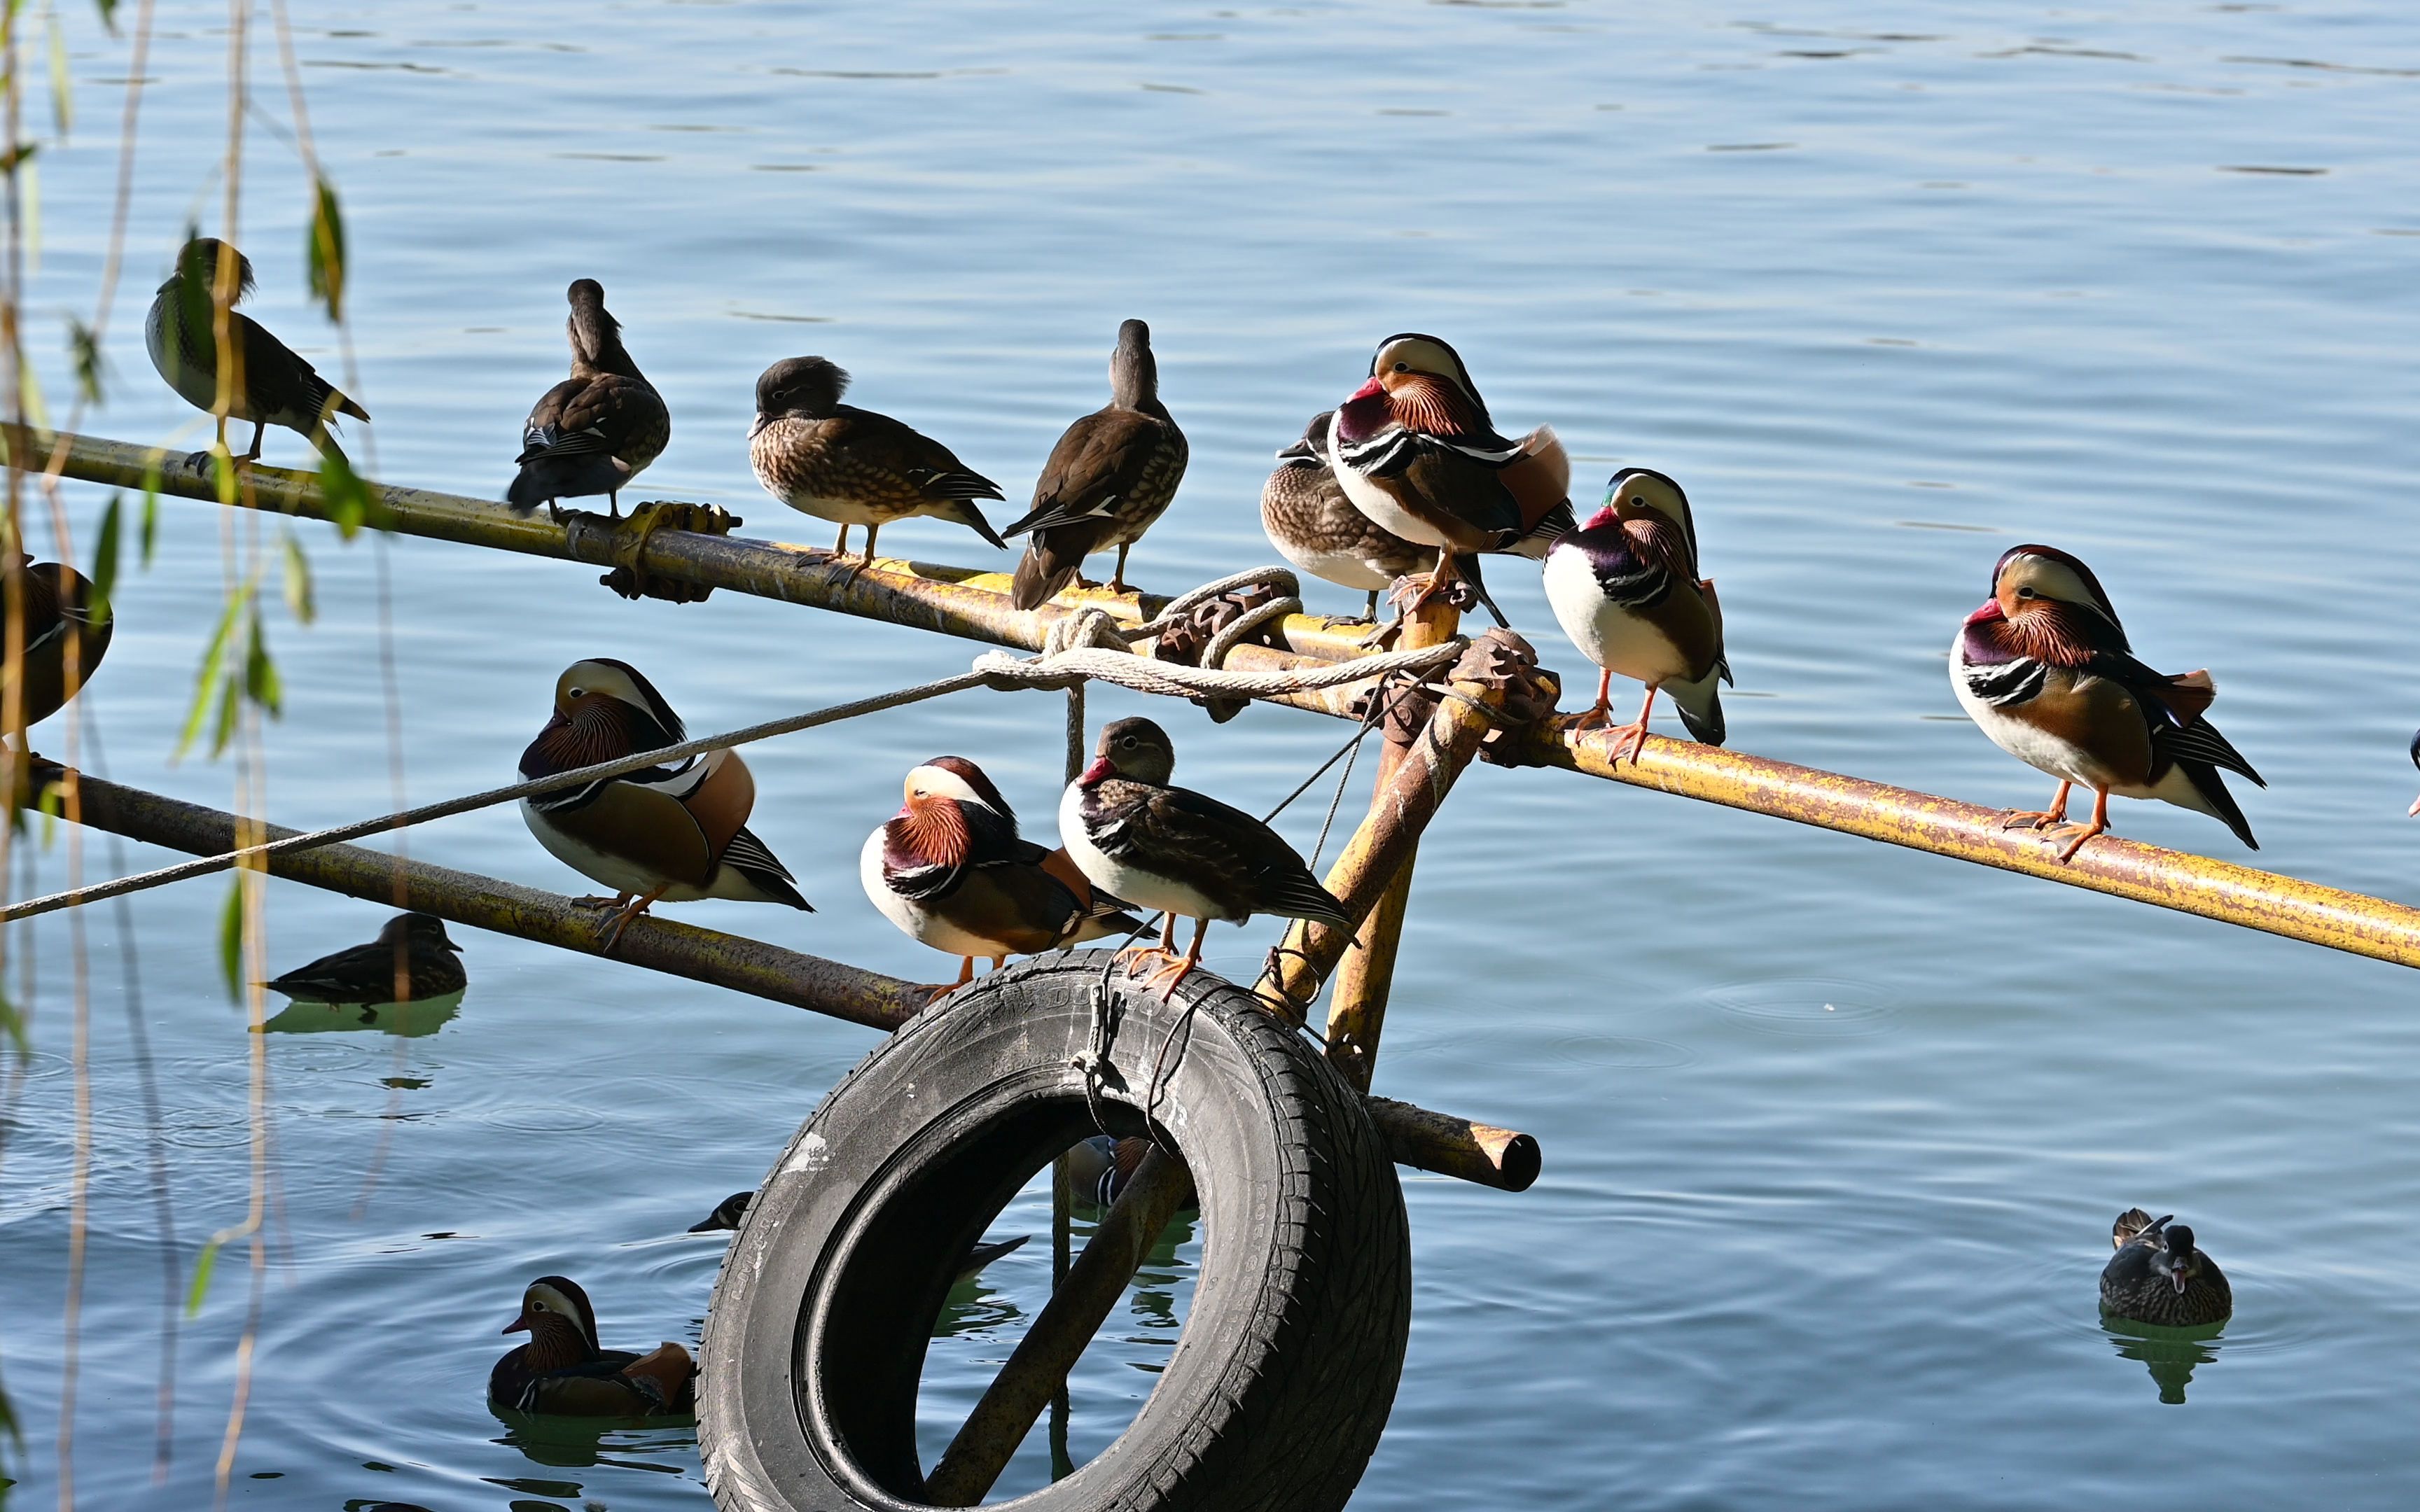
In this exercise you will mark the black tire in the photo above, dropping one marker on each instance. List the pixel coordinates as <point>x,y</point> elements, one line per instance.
<point>1280,1385</point>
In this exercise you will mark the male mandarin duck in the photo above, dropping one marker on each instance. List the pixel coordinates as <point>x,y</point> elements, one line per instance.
<point>412,958</point>
<point>851,465</point>
<point>1100,1167</point>
<point>596,430</point>
<point>1111,474</point>
<point>561,1370</point>
<point>952,871</point>
<point>2043,666</point>
<point>1307,516</point>
<point>661,834</point>
<point>1417,452</point>
<point>270,386</point>
<point>1626,589</point>
<point>1177,851</point>
<point>60,628</point>
<point>2158,1276</point>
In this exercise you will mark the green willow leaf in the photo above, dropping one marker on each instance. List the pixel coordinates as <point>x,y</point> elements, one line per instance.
<point>104,560</point>
<point>260,681</point>
<point>325,255</point>
<point>203,1265</point>
<point>108,9</point>
<point>300,600</point>
<point>62,98</point>
<point>230,709</point>
<point>346,497</point>
<point>12,1026</point>
<point>231,939</point>
<point>86,360</point>
<point>151,531</point>
<point>205,682</point>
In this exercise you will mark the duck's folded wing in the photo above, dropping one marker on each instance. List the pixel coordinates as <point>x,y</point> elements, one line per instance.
<point>2173,706</point>
<point>1097,462</point>
<point>643,825</point>
<point>1228,855</point>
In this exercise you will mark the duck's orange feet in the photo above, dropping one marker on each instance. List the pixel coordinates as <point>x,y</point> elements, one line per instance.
<point>620,899</point>
<point>615,922</point>
<point>2032,818</point>
<point>2075,835</point>
<point>1174,972</point>
<point>1599,713</point>
<point>1631,736</point>
<point>1133,957</point>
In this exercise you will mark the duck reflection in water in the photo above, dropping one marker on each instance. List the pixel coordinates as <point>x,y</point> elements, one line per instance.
<point>2171,1354</point>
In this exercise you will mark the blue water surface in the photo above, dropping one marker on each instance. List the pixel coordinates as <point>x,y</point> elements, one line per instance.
<point>1834,1132</point>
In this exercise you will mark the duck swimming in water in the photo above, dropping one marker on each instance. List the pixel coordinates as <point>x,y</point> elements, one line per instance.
<point>2159,1276</point>
<point>560,1371</point>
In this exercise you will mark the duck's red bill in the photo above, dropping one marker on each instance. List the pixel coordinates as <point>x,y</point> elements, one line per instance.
<point>517,1325</point>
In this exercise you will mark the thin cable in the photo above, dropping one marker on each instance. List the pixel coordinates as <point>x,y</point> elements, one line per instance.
<point>601,771</point>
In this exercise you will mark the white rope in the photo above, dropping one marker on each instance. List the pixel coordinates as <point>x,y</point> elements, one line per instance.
<point>1089,643</point>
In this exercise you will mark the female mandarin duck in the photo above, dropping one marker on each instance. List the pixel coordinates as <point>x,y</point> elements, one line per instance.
<point>2413,810</point>
<point>661,834</point>
<point>2158,1276</point>
<point>1307,516</point>
<point>1177,851</point>
<point>561,1372</point>
<point>851,465</point>
<point>64,641</point>
<point>1417,452</point>
<point>272,385</point>
<point>596,430</point>
<point>412,958</point>
<point>2043,666</point>
<point>1111,474</point>
<point>1627,591</point>
<point>951,870</point>
<point>728,1213</point>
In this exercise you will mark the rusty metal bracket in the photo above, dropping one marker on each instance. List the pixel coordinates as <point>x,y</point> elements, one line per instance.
<point>628,545</point>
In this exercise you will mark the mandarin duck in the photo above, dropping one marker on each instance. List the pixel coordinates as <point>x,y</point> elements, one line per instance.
<point>1417,452</point>
<point>676,833</point>
<point>2157,1276</point>
<point>596,430</point>
<point>1099,1167</point>
<point>1177,851</point>
<point>952,871</point>
<point>1625,587</point>
<point>2413,810</point>
<point>1111,474</point>
<point>60,628</point>
<point>1307,517</point>
<point>731,1209</point>
<point>2043,666</point>
<point>270,386</point>
<point>560,1371</point>
<point>851,465</point>
<point>412,958</point>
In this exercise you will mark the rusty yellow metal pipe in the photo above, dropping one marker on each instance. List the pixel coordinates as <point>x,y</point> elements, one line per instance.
<point>2203,885</point>
<point>1415,1136</point>
<point>953,600</point>
<point>975,605</point>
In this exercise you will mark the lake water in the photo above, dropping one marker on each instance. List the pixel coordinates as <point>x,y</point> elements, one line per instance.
<point>1834,1132</point>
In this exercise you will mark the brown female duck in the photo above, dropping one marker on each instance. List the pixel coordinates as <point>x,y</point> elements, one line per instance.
<point>272,385</point>
<point>851,465</point>
<point>596,430</point>
<point>1111,474</point>
<point>412,958</point>
<point>2159,1276</point>
<point>561,1370</point>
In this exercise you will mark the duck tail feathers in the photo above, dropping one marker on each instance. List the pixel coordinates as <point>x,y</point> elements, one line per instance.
<point>1039,574</point>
